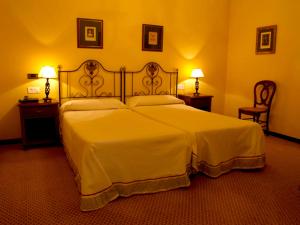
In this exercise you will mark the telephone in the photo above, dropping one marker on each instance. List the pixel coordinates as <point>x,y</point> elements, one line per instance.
<point>26,99</point>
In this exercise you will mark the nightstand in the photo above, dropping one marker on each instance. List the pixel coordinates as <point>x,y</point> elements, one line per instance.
<point>202,102</point>
<point>39,123</point>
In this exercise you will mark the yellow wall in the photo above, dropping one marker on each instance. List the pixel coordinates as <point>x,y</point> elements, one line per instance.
<point>244,67</point>
<point>36,33</point>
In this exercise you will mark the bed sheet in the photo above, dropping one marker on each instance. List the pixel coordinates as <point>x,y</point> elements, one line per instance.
<point>220,143</point>
<point>118,152</point>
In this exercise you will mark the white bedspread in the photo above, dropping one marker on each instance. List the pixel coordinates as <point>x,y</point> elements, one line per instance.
<point>221,143</point>
<point>119,153</point>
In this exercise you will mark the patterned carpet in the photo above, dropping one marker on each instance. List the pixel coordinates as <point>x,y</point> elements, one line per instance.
<point>37,187</point>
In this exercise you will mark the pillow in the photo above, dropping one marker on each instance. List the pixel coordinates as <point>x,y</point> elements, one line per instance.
<point>92,104</point>
<point>153,100</point>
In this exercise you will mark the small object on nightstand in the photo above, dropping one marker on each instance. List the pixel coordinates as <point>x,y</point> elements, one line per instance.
<point>39,123</point>
<point>200,101</point>
<point>26,99</point>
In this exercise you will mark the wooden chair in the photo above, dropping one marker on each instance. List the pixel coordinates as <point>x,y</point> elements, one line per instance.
<point>263,95</point>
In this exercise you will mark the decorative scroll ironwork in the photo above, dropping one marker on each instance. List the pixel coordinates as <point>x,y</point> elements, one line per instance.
<point>152,81</point>
<point>89,80</point>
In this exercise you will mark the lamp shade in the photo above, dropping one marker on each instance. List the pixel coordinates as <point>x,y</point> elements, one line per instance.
<point>197,73</point>
<point>47,72</point>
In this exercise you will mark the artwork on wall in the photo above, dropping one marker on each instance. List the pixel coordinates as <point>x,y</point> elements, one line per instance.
<point>89,33</point>
<point>152,38</point>
<point>266,39</point>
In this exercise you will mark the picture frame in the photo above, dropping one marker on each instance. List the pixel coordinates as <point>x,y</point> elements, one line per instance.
<point>266,39</point>
<point>152,38</point>
<point>89,33</point>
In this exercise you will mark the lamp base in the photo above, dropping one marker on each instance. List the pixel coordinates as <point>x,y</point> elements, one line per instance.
<point>196,94</point>
<point>47,100</point>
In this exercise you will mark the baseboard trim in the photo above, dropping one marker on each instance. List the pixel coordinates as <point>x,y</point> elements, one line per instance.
<point>11,141</point>
<point>293,139</point>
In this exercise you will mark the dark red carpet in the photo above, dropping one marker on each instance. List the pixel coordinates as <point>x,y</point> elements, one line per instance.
<point>37,187</point>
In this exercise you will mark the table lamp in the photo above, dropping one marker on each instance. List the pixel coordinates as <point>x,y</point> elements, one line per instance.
<point>47,72</point>
<point>196,73</point>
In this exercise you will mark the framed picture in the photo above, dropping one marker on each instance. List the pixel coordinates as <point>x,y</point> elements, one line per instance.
<point>89,33</point>
<point>266,39</point>
<point>152,38</point>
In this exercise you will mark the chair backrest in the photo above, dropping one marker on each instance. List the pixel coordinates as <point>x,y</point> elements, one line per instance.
<point>263,93</point>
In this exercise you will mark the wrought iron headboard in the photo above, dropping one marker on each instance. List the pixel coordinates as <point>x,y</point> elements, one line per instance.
<point>89,80</point>
<point>152,79</point>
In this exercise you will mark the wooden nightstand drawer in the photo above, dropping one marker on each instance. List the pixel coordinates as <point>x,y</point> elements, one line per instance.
<point>202,102</point>
<point>42,111</point>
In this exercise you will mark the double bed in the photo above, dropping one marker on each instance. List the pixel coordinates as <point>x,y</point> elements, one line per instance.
<point>153,142</point>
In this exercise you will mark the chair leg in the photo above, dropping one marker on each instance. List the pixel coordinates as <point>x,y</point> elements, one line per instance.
<point>267,125</point>
<point>257,118</point>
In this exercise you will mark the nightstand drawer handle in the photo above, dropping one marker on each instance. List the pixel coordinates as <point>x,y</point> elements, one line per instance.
<point>38,111</point>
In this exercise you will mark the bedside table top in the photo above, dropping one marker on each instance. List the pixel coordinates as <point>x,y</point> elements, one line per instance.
<point>41,103</point>
<point>195,96</point>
